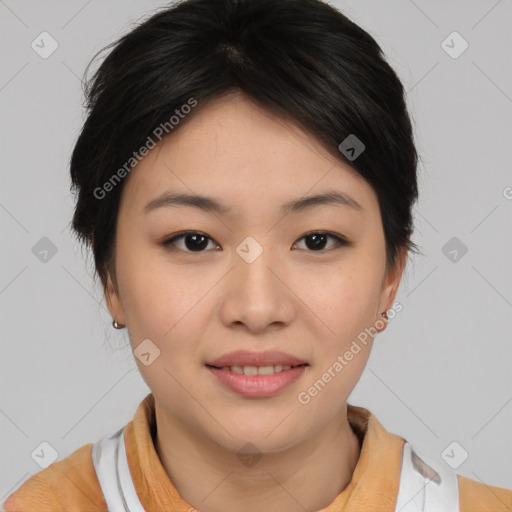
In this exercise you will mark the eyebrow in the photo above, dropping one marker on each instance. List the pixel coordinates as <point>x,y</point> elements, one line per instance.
<point>209,204</point>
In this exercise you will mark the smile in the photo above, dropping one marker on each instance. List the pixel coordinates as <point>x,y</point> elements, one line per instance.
<point>257,370</point>
<point>258,381</point>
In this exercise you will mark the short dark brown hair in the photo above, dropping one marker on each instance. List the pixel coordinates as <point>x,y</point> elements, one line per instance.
<point>299,59</point>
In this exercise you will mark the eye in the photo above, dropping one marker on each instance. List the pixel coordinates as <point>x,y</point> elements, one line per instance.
<point>195,241</point>
<point>316,240</point>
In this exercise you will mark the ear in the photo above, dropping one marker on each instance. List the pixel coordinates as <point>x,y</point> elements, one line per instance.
<point>390,286</point>
<point>113,301</point>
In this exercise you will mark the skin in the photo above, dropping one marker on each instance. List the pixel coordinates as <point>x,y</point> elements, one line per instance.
<point>196,306</point>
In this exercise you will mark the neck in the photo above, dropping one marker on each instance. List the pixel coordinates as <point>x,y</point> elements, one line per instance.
<point>305,477</point>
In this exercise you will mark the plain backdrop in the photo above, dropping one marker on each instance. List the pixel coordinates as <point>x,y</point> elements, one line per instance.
<point>440,373</point>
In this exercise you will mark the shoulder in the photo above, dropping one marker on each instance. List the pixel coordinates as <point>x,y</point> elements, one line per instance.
<point>65,486</point>
<point>479,497</point>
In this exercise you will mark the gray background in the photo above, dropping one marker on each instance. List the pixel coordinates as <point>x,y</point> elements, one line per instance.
<point>440,373</point>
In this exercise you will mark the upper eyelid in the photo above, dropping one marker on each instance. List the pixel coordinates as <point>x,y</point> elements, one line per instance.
<point>185,233</point>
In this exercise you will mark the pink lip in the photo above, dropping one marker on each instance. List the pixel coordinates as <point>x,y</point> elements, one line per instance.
<point>247,358</point>
<point>257,386</point>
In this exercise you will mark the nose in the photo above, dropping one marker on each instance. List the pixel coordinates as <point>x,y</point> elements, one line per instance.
<point>257,295</point>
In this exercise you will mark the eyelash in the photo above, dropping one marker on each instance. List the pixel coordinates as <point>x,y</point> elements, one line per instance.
<point>342,242</point>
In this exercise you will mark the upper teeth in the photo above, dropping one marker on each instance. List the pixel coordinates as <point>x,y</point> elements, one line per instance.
<point>257,370</point>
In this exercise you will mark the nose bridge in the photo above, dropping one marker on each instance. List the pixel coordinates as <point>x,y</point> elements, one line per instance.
<point>255,295</point>
<point>253,264</point>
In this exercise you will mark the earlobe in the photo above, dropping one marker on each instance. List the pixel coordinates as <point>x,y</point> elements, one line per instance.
<point>382,322</point>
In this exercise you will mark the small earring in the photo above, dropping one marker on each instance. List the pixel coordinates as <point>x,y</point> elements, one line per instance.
<point>384,315</point>
<point>117,326</point>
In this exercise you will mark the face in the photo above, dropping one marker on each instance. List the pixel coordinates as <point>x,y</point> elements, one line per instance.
<point>255,274</point>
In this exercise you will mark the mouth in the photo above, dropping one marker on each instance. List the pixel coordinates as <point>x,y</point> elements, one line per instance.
<point>257,370</point>
<point>259,359</point>
<point>257,381</point>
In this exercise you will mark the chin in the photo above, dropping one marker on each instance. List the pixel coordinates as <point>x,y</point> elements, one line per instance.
<point>247,438</point>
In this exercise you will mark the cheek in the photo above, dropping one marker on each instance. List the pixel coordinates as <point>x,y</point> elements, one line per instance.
<point>167,310</point>
<point>163,303</point>
<point>146,285</point>
<point>343,298</point>
<point>346,305</point>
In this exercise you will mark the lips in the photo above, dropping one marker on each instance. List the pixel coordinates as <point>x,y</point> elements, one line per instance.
<point>257,386</point>
<point>248,358</point>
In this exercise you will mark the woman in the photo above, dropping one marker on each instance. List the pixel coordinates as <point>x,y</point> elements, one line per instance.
<point>245,180</point>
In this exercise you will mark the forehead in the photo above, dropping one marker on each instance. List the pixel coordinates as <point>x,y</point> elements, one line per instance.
<point>234,150</point>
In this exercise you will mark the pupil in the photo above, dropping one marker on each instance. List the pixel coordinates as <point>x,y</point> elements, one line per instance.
<point>318,241</point>
<point>195,246</point>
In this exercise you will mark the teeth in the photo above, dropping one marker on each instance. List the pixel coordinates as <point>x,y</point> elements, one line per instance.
<point>250,370</point>
<point>257,370</point>
<point>266,370</point>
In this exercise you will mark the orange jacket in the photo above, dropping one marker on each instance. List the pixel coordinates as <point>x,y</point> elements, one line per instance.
<point>71,485</point>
